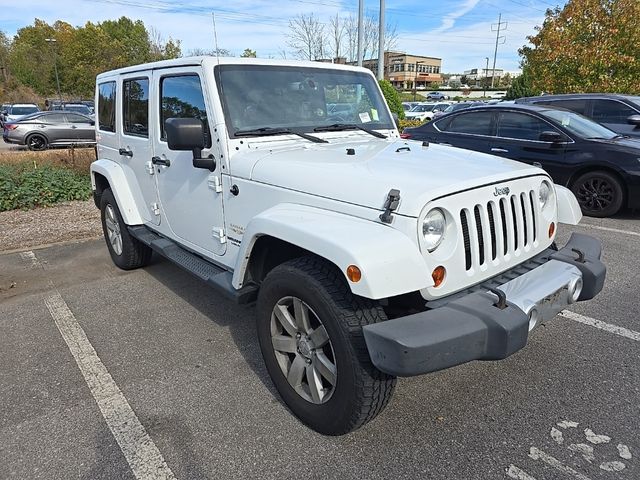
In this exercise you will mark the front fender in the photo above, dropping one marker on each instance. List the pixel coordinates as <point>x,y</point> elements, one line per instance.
<point>120,188</point>
<point>390,262</point>
<point>568,208</point>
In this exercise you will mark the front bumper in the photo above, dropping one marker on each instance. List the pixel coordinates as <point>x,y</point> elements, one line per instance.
<point>478,325</point>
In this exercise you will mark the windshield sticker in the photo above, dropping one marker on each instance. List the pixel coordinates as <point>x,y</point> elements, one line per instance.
<point>364,117</point>
<point>565,120</point>
<point>374,115</point>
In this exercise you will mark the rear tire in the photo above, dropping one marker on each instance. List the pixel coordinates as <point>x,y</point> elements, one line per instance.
<point>599,193</point>
<point>37,142</point>
<point>126,252</point>
<point>330,385</point>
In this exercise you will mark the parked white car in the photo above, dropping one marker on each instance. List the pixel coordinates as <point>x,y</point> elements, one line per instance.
<point>370,257</point>
<point>18,110</point>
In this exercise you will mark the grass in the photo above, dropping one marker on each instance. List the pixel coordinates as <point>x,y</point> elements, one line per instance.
<point>39,179</point>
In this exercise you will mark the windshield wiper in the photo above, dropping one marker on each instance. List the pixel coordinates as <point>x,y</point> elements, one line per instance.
<point>258,132</point>
<point>337,127</point>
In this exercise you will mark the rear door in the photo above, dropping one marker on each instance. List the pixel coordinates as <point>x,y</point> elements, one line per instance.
<point>135,150</point>
<point>57,128</point>
<point>191,198</point>
<point>470,130</point>
<point>518,138</point>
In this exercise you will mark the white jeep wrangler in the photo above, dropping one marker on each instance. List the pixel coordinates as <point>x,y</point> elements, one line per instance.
<point>370,257</point>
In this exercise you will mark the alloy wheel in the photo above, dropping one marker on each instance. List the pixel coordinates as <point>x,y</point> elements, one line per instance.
<point>595,194</point>
<point>113,229</point>
<point>303,350</point>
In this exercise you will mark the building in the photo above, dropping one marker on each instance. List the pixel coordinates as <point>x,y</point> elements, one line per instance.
<point>408,72</point>
<point>476,74</point>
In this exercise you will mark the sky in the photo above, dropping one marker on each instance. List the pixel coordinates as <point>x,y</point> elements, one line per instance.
<point>457,31</point>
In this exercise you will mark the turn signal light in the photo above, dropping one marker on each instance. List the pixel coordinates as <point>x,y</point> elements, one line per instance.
<point>353,273</point>
<point>438,275</point>
<point>552,229</point>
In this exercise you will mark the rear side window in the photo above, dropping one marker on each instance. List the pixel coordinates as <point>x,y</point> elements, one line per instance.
<point>611,111</point>
<point>74,118</point>
<point>181,97</point>
<point>54,118</point>
<point>106,106</point>
<point>521,126</point>
<point>135,107</point>
<point>475,123</point>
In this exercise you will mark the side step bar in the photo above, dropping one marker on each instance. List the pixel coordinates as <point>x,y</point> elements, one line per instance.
<point>214,276</point>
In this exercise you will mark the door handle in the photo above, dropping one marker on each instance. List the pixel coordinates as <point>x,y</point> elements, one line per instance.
<point>500,150</point>
<point>125,152</point>
<point>165,162</point>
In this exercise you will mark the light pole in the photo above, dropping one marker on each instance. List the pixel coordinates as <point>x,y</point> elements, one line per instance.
<point>486,72</point>
<point>55,65</point>
<point>415,80</point>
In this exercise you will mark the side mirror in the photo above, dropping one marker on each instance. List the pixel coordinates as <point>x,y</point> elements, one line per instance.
<point>188,134</point>
<point>634,120</point>
<point>550,136</point>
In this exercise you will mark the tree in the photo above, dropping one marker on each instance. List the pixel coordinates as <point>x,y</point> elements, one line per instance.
<point>220,52</point>
<point>336,28</point>
<point>392,98</point>
<point>248,53</point>
<point>307,37</point>
<point>522,86</point>
<point>587,46</point>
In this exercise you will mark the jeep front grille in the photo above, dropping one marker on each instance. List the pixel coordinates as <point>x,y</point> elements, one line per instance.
<point>497,229</point>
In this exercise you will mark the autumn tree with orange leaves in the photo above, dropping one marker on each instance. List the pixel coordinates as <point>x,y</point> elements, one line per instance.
<point>587,46</point>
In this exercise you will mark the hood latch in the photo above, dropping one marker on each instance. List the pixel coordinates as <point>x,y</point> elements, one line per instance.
<point>391,204</point>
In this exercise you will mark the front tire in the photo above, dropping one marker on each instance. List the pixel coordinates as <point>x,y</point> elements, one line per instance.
<point>126,252</point>
<point>599,193</point>
<point>310,332</point>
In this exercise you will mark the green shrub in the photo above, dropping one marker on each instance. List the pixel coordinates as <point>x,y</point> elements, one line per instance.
<point>23,186</point>
<point>392,98</point>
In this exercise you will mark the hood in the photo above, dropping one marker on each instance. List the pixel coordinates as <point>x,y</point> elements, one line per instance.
<point>376,166</point>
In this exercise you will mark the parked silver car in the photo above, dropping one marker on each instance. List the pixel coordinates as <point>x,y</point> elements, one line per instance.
<point>44,129</point>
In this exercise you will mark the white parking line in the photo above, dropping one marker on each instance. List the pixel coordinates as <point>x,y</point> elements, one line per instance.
<point>518,474</point>
<point>30,257</point>
<point>608,327</point>
<point>144,458</point>
<point>607,229</point>
<point>538,454</point>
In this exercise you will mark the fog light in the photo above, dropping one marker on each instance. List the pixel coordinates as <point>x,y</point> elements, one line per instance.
<point>353,273</point>
<point>534,318</point>
<point>574,290</point>
<point>552,229</point>
<point>438,275</point>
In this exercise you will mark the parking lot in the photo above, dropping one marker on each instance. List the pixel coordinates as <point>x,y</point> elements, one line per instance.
<point>149,374</point>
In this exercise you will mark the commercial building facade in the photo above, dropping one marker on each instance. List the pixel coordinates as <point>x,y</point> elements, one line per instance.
<point>408,72</point>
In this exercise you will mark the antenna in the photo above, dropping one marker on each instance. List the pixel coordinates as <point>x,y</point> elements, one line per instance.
<point>215,36</point>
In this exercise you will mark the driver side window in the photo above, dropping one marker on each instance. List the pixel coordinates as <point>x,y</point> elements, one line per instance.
<point>182,97</point>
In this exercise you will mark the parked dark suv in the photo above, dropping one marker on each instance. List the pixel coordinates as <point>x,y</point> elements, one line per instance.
<point>620,113</point>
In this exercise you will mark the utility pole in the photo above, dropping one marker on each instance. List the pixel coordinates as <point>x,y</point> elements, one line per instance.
<point>498,37</point>
<point>381,42</point>
<point>486,72</point>
<point>51,41</point>
<point>360,27</point>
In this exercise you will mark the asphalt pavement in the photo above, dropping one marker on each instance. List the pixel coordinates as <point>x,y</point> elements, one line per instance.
<point>94,360</point>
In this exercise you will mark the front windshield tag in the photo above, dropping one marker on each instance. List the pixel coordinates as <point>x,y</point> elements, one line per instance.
<point>364,117</point>
<point>374,115</point>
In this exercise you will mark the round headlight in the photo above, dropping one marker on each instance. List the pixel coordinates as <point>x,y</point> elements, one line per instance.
<point>433,228</point>
<point>544,194</point>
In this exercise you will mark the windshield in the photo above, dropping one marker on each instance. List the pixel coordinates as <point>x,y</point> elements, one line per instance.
<point>422,108</point>
<point>298,98</point>
<point>23,110</point>
<point>579,125</point>
<point>635,101</point>
<point>78,108</point>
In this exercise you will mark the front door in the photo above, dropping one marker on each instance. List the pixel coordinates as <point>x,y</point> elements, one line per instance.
<point>191,198</point>
<point>135,146</point>
<point>82,127</point>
